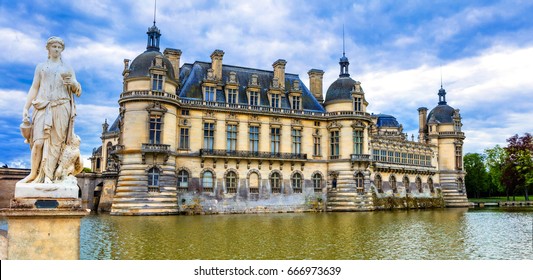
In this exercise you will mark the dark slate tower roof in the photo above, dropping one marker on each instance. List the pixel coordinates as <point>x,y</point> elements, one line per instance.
<point>192,75</point>
<point>443,113</point>
<point>140,66</point>
<point>341,89</point>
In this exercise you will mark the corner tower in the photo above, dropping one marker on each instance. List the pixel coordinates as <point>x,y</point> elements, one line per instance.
<point>443,129</point>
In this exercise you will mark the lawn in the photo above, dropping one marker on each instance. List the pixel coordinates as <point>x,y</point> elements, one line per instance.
<point>497,199</point>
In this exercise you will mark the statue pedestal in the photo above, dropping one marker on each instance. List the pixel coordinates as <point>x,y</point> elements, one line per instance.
<point>44,222</point>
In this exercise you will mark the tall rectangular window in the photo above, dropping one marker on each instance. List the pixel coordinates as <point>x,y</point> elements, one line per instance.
<point>317,149</point>
<point>404,158</point>
<point>296,102</point>
<point>417,159</point>
<point>458,157</point>
<point>334,142</point>
<point>274,139</point>
<point>209,135</point>
<point>231,137</point>
<point>410,159</point>
<point>390,157</point>
<point>209,94</point>
<point>375,155</point>
<point>254,98</point>
<point>397,157</point>
<point>232,96</point>
<point>157,82</point>
<point>357,101</point>
<point>296,141</point>
<point>383,156</point>
<point>254,138</point>
<point>155,129</point>
<point>357,142</point>
<point>276,100</point>
<point>184,138</point>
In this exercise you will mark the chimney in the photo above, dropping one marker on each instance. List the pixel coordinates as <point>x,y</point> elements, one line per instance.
<point>422,116</point>
<point>315,83</point>
<point>174,56</point>
<point>216,63</point>
<point>279,71</point>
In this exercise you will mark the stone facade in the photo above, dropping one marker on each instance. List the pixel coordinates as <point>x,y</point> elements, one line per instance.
<point>213,138</point>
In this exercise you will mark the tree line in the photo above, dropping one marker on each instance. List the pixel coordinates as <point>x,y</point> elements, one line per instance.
<point>501,171</point>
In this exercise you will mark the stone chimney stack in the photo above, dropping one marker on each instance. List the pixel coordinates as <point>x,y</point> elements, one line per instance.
<point>422,116</point>
<point>279,71</point>
<point>216,64</point>
<point>174,56</point>
<point>315,83</point>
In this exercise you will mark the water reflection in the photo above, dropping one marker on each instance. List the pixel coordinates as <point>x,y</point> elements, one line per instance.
<point>435,234</point>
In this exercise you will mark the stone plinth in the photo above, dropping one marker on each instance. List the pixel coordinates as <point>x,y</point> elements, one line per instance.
<point>66,189</point>
<point>43,234</point>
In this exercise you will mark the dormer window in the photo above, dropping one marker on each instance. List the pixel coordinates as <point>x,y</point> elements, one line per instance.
<point>209,93</point>
<point>157,82</point>
<point>232,96</point>
<point>254,98</point>
<point>276,100</point>
<point>357,104</point>
<point>296,103</point>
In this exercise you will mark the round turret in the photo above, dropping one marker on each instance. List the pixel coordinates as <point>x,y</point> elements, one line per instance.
<point>140,67</point>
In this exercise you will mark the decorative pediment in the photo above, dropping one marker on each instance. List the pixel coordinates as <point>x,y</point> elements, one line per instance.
<point>358,125</point>
<point>334,125</point>
<point>232,79</point>
<point>209,115</point>
<point>156,107</point>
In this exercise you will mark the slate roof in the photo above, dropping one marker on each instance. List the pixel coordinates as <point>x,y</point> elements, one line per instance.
<point>341,89</point>
<point>192,75</point>
<point>385,120</point>
<point>140,66</point>
<point>441,114</point>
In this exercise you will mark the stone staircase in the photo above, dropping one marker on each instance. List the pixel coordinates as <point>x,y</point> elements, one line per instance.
<point>451,195</point>
<point>133,198</point>
<point>345,197</point>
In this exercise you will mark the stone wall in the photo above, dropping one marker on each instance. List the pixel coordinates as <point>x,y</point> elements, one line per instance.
<point>8,179</point>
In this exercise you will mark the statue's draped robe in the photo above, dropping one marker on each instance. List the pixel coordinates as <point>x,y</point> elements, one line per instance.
<point>52,117</point>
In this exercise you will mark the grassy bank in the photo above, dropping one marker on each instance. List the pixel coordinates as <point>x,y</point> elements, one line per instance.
<point>497,199</point>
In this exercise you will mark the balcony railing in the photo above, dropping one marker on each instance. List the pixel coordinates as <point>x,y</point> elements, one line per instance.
<point>360,157</point>
<point>196,102</point>
<point>250,154</point>
<point>142,93</point>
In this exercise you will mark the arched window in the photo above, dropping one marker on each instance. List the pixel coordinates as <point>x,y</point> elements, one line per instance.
<point>296,183</point>
<point>317,182</point>
<point>183,181</point>
<point>153,179</point>
<point>359,183</point>
<point>418,183</point>
<point>393,185</point>
<point>275,182</point>
<point>207,181</point>
<point>430,184</point>
<point>253,182</point>
<point>231,182</point>
<point>379,183</point>
<point>405,183</point>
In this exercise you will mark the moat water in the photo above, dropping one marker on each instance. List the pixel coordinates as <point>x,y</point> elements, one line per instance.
<point>426,234</point>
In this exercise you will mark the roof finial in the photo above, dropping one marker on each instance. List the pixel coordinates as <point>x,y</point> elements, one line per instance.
<point>155,8</point>
<point>441,76</point>
<point>343,44</point>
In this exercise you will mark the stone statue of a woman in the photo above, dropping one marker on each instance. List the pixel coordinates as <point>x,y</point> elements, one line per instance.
<point>51,129</point>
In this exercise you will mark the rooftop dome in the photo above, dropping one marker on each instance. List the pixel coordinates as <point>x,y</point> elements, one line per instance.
<point>443,113</point>
<point>140,66</point>
<point>341,89</point>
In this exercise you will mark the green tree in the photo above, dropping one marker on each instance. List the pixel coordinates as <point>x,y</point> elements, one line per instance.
<point>476,175</point>
<point>518,168</point>
<point>495,160</point>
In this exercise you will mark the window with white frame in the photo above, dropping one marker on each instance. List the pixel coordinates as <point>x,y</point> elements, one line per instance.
<point>157,82</point>
<point>209,93</point>
<point>231,137</point>
<point>209,136</point>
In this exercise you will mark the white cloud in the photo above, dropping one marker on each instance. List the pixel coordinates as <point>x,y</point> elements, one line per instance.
<point>20,47</point>
<point>11,103</point>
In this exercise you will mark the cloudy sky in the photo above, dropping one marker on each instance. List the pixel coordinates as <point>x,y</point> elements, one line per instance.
<point>397,49</point>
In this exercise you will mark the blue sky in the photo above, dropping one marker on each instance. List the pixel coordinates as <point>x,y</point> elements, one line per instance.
<point>397,49</point>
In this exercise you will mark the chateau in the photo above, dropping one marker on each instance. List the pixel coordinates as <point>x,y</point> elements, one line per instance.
<point>229,139</point>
